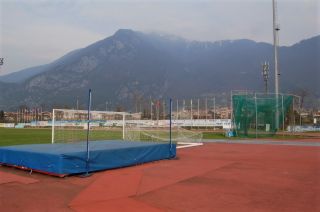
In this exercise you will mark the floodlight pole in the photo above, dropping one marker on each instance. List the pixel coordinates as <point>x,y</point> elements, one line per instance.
<point>265,74</point>
<point>276,28</point>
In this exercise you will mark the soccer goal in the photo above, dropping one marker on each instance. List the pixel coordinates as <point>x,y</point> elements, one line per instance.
<point>159,131</point>
<point>71,125</point>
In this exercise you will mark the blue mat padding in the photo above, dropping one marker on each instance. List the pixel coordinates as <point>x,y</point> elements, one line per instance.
<point>70,158</point>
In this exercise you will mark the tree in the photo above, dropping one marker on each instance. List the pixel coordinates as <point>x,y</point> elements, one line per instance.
<point>2,118</point>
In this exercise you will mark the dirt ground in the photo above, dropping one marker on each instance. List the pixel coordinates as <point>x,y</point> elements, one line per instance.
<point>212,177</point>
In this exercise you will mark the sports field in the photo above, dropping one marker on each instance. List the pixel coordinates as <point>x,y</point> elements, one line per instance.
<point>12,136</point>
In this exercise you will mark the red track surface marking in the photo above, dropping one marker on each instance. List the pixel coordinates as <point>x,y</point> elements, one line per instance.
<point>111,185</point>
<point>138,180</point>
<point>171,172</point>
<point>121,204</point>
<point>9,178</point>
<point>277,179</point>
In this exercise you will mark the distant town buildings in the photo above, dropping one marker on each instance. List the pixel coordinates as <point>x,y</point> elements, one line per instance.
<point>27,116</point>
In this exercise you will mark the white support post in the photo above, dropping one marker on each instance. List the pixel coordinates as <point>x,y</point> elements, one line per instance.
<point>191,109</point>
<point>206,112</point>
<point>282,108</point>
<point>52,127</point>
<point>198,108</point>
<point>177,109</point>
<point>293,127</point>
<point>123,125</point>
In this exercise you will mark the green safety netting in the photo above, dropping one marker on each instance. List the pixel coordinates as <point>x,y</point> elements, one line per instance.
<point>255,115</point>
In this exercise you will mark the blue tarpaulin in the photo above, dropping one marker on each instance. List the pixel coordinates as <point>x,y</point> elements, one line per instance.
<point>70,158</point>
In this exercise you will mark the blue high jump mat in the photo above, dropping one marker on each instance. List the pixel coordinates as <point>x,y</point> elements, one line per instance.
<point>71,158</point>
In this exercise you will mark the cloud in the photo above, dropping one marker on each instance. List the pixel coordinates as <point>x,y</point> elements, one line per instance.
<point>35,32</point>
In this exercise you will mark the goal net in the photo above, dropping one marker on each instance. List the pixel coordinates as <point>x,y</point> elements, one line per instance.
<point>71,125</point>
<point>159,131</point>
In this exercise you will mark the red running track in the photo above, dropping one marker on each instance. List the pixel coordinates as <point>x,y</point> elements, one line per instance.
<point>213,177</point>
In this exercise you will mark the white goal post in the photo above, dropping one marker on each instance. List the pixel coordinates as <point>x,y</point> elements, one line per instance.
<point>69,125</point>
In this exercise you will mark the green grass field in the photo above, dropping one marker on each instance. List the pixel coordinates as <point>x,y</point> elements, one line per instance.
<point>12,136</point>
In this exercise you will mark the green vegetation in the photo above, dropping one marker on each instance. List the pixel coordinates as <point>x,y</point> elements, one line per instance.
<point>12,136</point>
<point>213,135</point>
<point>70,135</point>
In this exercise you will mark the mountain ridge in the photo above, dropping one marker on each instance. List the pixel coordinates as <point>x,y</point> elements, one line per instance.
<point>130,64</point>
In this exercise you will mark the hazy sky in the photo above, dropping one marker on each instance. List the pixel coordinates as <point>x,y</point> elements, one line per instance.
<point>35,32</point>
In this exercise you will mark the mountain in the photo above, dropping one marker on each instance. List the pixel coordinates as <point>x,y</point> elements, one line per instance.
<point>132,65</point>
<point>24,74</point>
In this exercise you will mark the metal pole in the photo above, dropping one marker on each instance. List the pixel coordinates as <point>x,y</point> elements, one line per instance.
<point>214,112</point>
<point>294,115</point>
<point>77,103</point>
<point>177,109</point>
<point>282,113</point>
<point>276,66</point>
<point>170,123</point>
<point>198,108</point>
<point>184,105</point>
<point>164,110</point>
<point>256,107</point>
<point>300,112</point>
<point>52,126</point>
<point>265,73</point>
<point>88,121</point>
<point>123,125</point>
<point>191,109</point>
<point>206,111</point>
<point>151,108</point>
<point>191,113</point>
<point>231,107</point>
<point>88,130</point>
